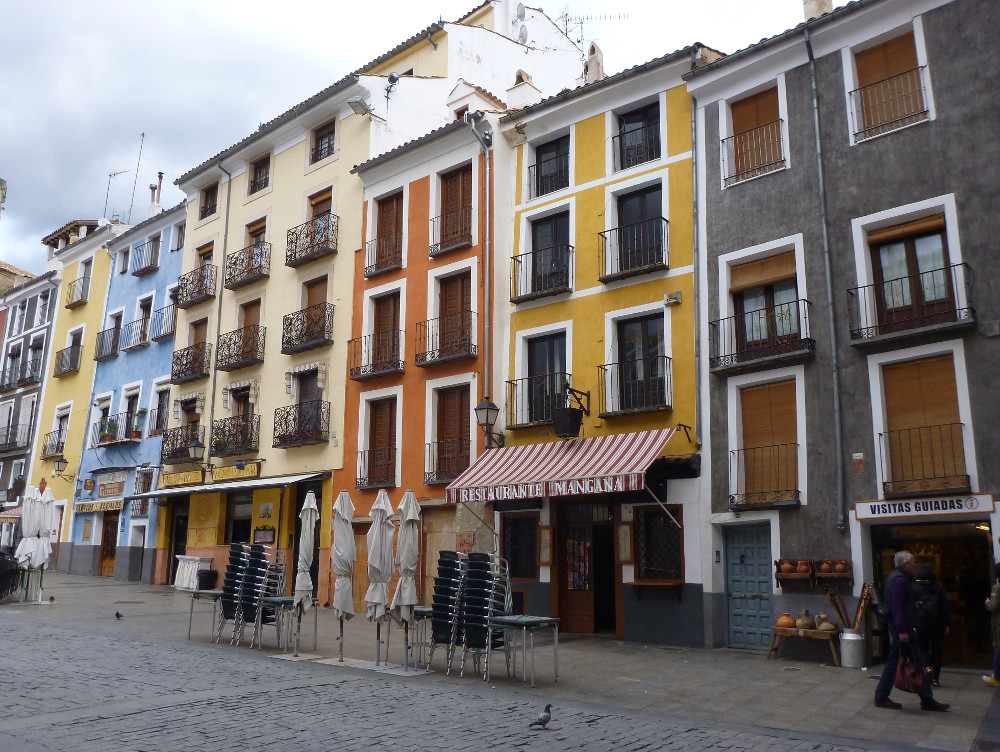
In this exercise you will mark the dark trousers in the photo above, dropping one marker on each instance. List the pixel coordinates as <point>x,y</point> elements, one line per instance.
<point>930,642</point>
<point>888,677</point>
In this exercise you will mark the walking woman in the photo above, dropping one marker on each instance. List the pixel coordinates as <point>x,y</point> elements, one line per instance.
<point>993,606</point>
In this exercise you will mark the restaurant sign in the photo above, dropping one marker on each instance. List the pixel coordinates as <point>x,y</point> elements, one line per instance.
<point>167,480</point>
<point>231,472</point>
<point>551,488</point>
<point>111,484</point>
<point>978,504</point>
<point>110,505</point>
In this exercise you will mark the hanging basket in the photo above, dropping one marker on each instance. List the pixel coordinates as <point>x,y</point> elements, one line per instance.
<point>567,421</point>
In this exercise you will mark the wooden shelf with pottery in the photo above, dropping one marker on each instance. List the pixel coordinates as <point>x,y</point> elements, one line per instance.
<point>793,569</point>
<point>839,569</point>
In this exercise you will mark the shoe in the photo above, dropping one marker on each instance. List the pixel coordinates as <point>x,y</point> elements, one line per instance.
<point>936,683</point>
<point>941,707</point>
<point>991,681</point>
<point>887,704</point>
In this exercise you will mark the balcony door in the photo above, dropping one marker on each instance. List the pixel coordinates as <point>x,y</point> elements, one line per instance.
<point>639,138</point>
<point>552,166</point>
<point>550,253</point>
<point>382,442</point>
<point>770,448</point>
<point>642,376</point>
<point>385,337</point>
<point>756,140</point>
<point>389,231</point>
<point>250,315</point>
<point>546,375</point>
<point>456,198</point>
<point>454,305</point>
<point>310,403</point>
<point>320,207</point>
<point>640,233</point>
<point>452,431</point>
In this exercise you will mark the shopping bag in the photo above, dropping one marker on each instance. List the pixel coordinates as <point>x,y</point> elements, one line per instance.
<point>909,676</point>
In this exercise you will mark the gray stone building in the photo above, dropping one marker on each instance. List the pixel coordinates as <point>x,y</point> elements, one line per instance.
<point>846,260</point>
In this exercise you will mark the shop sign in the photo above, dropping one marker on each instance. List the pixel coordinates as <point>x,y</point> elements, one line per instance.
<point>978,504</point>
<point>168,480</point>
<point>111,484</point>
<point>552,488</point>
<point>88,484</point>
<point>251,470</point>
<point>110,505</point>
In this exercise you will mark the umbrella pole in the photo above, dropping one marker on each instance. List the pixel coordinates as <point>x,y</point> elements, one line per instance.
<point>406,646</point>
<point>388,635</point>
<point>341,639</point>
<point>378,642</point>
<point>298,629</point>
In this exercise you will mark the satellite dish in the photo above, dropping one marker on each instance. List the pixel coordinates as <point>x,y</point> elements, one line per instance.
<point>520,11</point>
<point>522,35</point>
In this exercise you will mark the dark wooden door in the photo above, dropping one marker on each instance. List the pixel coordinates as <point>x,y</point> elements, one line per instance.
<point>385,338</point>
<point>456,198</point>
<point>455,305</point>
<point>382,442</point>
<point>389,231</point>
<point>585,548</point>
<point>315,292</point>
<point>748,585</point>
<point>178,540</point>
<point>109,544</point>
<point>453,431</point>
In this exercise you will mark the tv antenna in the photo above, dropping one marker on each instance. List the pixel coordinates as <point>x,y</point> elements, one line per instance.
<point>108,192</point>
<point>142,139</point>
<point>575,23</point>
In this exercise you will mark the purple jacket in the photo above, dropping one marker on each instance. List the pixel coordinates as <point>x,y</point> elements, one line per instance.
<point>899,590</point>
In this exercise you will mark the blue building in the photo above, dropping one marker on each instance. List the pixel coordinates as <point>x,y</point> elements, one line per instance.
<point>114,534</point>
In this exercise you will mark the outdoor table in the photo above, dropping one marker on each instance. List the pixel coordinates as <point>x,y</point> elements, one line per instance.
<point>779,633</point>
<point>528,626</point>
<point>286,604</point>
<point>197,595</point>
<point>421,614</point>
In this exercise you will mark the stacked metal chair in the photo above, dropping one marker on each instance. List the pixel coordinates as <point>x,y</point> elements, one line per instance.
<point>252,573</point>
<point>232,588</point>
<point>447,585</point>
<point>485,592</point>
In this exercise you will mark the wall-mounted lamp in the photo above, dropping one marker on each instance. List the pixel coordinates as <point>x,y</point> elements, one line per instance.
<point>359,105</point>
<point>486,417</point>
<point>59,468</point>
<point>196,453</point>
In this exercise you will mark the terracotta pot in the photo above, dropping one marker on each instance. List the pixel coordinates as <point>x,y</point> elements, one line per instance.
<point>805,621</point>
<point>803,567</point>
<point>785,620</point>
<point>826,567</point>
<point>787,567</point>
<point>840,567</point>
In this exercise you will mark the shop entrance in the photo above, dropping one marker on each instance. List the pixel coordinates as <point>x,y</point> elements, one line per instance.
<point>748,585</point>
<point>178,537</point>
<point>962,556</point>
<point>586,572</point>
<point>109,544</point>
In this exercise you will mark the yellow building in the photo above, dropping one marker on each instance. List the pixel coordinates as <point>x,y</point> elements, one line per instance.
<point>600,520</point>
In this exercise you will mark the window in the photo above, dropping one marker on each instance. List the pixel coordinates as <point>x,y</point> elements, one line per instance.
<point>209,200</point>
<point>385,252</point>
<point>455,315</point>
<point>642,364</point>
<point>451,451</point>
<point>519,539</point>
<point>144,478</point>
<point>259,174</point>
<point>638,138</point>
<point>461,111</point>
<point>639,242</point>
<point>755,147</point>
<point>323,141</point>
<point>659,544</point>
<point>43,308</point>
<point>765,471</point>
<point>547,375</point>
<point>21,311</point>
<point>377,465</point>
<point>551,169</point>
<point>455,223</point>
<point>158,419</point>
<point>385,334</point>
<point>179,243</point>
<point>550,262</point>
<point>239,517</point>
<point>890,91</point>
<point>765,295</point>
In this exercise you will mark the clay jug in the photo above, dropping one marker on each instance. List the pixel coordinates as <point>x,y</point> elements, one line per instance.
<point>840,567</point>
<point>826,626</point>
<point>787,567</point>
<point>805,621</point>
<point>785,620</point>
<point>803,567</point>
<point>826,567</point>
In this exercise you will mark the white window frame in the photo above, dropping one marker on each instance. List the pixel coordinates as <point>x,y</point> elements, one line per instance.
<point>530,160</point>
<point>726,126</point>
<point>368,310</point>
<point>364,422</point>
<point>435,210</point>
<point>611,127</point>
<point>434,277</point>
<point>432,387</point>
<point>776,247</point>
<point>611,321</point>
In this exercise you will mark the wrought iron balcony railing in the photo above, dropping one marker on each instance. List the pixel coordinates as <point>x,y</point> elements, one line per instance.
<point>375,355</point>
<point>174,449</point>
<point>549,175</point>
<point>301,424</point>
<point>260,182</point>
<point>444,339</point>
<point>635,386</point>
<point>322,150</point>
<point>928,459</point>
<point>8,378</point>
<point>377,468</point>
<point>117,429</point>
<point>53,444</point>
<point>107,343</point>
<point>236,435</point>
<point>239,349</point>
<point>135,334</point>
<point>755,337</point>
<point>384,254</point>
<point>158,421</point>
<point>445,460</point>
<point>162,324</point>
<point>31,372</point>
<point>762,477</point>
<point>77,292</point>
<point>196,286</point>
<point>191,363</point>
<point>146,258</point>
<point>247,265</point>
<point>530,400</point>
<point>451,230</point>
<point>547,271</point>
<point>307,329</point>
<point>67,360</point>
<point>207,210</point>
<point>636,146</point>
<point>938,298</point>
<point>144,477</point>
<point>889,104</point>
<point>15,437</point>
<point>752,153</point>
<point>638,248</point>
<point>312,240</point>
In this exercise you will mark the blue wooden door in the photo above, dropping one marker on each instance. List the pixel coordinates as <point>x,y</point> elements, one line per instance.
<point>748,585</point>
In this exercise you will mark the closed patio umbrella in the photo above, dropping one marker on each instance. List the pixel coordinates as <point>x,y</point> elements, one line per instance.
<point>379,566</point>
<point>36,527</point>
<point>303,575</point>
<point>407,558</point>
<point>344,556</point>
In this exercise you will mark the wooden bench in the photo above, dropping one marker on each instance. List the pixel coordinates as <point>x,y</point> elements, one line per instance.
<point>779,633</point>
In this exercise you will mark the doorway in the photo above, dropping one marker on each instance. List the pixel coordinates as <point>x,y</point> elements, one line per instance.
<point>109,544</point>
<point>748,586</point>
<point>178,538</point>
<point>586,572</point>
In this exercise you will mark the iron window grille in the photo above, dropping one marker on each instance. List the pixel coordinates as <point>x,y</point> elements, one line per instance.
<point>312,240</point>
<point>146,257</point>
<point>384,254</point>
<point>14,437</point>
<point>764,476</point>
<point>162,323</point>
<point>659,544</point>
<point>53,443</point>
<point>753,153</point>
<point>116,429</point>
<point>191,363</point>
<point>77,292</point>
<point>635,386</point>
<point>549,175</point>
<point>530,400</point>
<point>377,468</point>
<point>241,348</point>
<point>444,339</point>
<point>520,545</point>
<point>157,421</point>
<point>636,146</point>
<point>928,459</point>
<point>174,449</point>
<point>889,104</point>
<point>247,265</point>
<point>307,329</point>
<point>451,230</point>
<point>144,477</point>
<point>107,343</point>
<point>445,460</point>
<point>301,424</point>
<point>139,507</point>
<point>135,334</point>
<point>375,355</point>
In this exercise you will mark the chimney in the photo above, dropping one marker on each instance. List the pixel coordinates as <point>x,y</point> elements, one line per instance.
<point>159,186</point>
<point>816,8</point>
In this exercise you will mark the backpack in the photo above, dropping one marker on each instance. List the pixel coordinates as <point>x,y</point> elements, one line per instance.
<point>927,606</point>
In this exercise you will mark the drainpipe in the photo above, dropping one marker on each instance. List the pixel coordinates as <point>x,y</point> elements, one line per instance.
<point>218,317</point>
<point>828,270</point>
<point>485,142</point>
<point>694,259</point>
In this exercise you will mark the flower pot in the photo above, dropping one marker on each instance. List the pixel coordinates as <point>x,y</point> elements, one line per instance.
<point>566,421</point>
<point>136,434</point>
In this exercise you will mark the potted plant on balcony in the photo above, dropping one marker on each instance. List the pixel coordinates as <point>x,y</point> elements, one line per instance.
<point>109,431</point>
<point>137,420</point>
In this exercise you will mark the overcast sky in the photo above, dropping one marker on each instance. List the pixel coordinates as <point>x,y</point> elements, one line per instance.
<point>79,82</point>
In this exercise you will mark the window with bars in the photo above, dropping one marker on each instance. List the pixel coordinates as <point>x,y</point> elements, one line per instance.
<point>520,545</point>
<point>659,544</point>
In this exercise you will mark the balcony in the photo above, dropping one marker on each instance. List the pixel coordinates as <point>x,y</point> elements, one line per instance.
<point>307,329</point>
<point>764,477</point>
<point>313,240</point>
<point>135,334</point>
<point>191,363</point>
<point>548,175</point>
<point>548,271</point>
<point>247,265</point>
<point>67,360</point>
<point>53,444</point>
<point>107,343</point>
<point>236,435</point>
<point>174,449</point>
<point>144,477</point>
<point>633,249</point>
<point>260,182</point>
<point>196,286</point>
<point>752,153</point>
<point>375,355</point>
<point>207,210</point>
<point>13,438</point>
<point>146,258</point>
<point>377,468</point>
<point>898,308</point>
<point>636,146</point>
<point>889,104</point>
<point>760,339</point>
<point>158,421</point>
<point>384,254</point>
<point>445,461</point>
<point>302,424</point>
<point>117,429</point>
<point>451,230</point>
<point>31,372</point>
<point>530,400</point>
<point>239,349</point>
<point>8,378</point>
<point>77,292</point>
<point>924,460</point>
<point>643,385</point>
<point>445,339</point>
<point>161,326</point>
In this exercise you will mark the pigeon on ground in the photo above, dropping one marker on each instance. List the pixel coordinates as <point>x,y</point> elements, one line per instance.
<point>543,718</point>
<point>52,599</point>
<point>118,614</point>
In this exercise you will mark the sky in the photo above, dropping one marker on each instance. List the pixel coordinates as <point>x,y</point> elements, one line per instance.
<point>80,81</point>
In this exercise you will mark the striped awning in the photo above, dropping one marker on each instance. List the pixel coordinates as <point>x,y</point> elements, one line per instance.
<point>600,464</point>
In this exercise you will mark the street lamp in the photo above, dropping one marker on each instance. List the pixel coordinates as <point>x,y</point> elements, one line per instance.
<point>486,417</point>
<point>196,451</point>
<point>60,464</point>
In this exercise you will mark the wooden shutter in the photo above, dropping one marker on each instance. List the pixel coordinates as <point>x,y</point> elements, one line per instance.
<point>382,427</point>
<point>251,313</point>
<point>455,294</point>
<point>889,59</point>
<point>456,189</point>
<point>762,272</point>
<point>321,203</point>
<point>755,111</point>
<point>315,292</point>
<point>390,215</point>
<point>770,438</point>
<point>453,415</point>
<point>199,332</point>
<point>387,313</point>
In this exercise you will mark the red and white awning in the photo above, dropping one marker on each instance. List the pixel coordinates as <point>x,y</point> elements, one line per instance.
<point>600,464</point>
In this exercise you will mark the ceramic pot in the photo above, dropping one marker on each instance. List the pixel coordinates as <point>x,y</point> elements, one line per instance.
<point>827,626</point>
<point>820,618</point>
<point>840,567</point>
<point>826,567</point>
<point>787,567</point>
<point>805,621</point>
<point>803,567</point>
<point>785,620</point>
